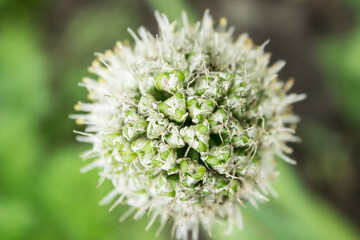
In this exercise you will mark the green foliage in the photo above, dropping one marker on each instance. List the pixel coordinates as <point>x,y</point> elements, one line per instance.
<point>23,68</point>
<point>339,57</point>
<point>70,207</point>
<point>92,29</point>
<point>18,217</point>
<point>332,153</point>
<point>23,73</point>
<point>296,214</point>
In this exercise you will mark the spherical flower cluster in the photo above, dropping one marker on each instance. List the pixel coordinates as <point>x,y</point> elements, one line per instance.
<point>187,125</point>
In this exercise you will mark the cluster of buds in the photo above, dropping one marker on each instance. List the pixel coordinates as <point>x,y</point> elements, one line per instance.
<point>187,125</point>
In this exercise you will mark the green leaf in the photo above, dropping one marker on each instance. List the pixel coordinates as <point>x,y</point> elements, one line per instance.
<point>296,214</point>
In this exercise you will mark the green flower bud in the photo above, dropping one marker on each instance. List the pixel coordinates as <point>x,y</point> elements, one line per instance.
<point>236,104</point>
<point>224,83</point>
<point>215,183</point>
<point>161,81</point>
<point>108,141</point>
<point>173,137</point>
<point>218,156</point>
<point>124,148</point>
<point>199,109</point>
<point>236,99</point>
<point>135,125</point>
<point>240,141</point>
<point>144,146</point>
<point>220,183</point>
<point>215,86</point>
<point>163,185</point>
<point>236,134</point>
<point>169,81</point>
<point>203,84</point>
<point>192,170</point>
<point>178,75</point>
<point>145,149</point>
<point>146,104</point>
<point>174,108</point>
<point>156,125</point>
<point>217,120</point>
<point>167,156</point>
<point>190,55</point>
<point>240,89</point>
<point>197,136</point>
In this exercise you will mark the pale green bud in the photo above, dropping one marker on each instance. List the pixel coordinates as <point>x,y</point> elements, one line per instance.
<point>240,140</point>
<point>192,170</point>
<point>108,141</point>
<point>169,81</point>
<point>135,125</point>
<point>236,99</point>
<point>197,136</point>
<point>174,108</point>
<point>124,148</point>
<point>166,158</point>
<point>224,82</point>
<point>215,86</point>
<point>156,125</point>
<point>145,149</point>
<point>203,85</point>
<point>173,137</point>
<point>217,120</point>
<point>215,183</point>
<point>146,104</point>
<point>163,185</point>
<point>218,156</point>
<point>235,134</point>
<point>199,109</point>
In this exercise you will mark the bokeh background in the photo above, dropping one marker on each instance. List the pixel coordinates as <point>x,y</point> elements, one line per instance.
<point>45,48</point>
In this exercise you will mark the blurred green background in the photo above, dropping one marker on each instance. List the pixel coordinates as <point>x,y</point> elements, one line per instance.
<point>45,48</point>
